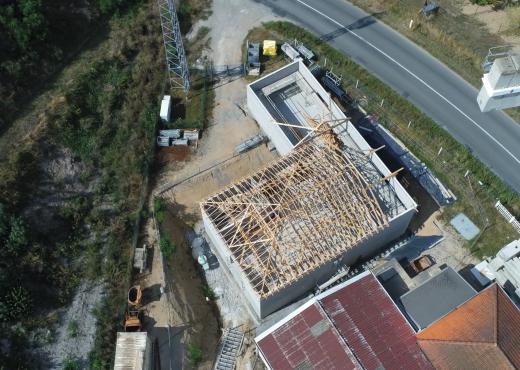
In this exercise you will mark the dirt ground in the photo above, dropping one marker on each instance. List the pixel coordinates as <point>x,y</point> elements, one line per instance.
<point>497,22</point>
<point>182,316</point>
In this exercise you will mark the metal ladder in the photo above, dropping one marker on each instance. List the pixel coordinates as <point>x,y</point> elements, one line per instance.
<point>229,350</point>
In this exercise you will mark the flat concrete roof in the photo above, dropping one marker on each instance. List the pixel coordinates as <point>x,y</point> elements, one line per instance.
<point>436,297</point>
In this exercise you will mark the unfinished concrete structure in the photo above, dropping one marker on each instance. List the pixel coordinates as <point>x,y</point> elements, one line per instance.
<point>501,86</point>
<point>329,201</point>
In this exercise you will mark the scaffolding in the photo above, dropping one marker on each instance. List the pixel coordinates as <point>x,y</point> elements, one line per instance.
<point>302,211</point>
<point>175,56</point>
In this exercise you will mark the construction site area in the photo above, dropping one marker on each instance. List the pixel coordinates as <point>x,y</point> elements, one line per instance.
<point>281,198</point>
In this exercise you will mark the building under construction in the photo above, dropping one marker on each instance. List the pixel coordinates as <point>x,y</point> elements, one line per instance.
<point>328,201</point>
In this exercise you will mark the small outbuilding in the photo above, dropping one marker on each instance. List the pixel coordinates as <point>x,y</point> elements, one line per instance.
<point>133,351</point>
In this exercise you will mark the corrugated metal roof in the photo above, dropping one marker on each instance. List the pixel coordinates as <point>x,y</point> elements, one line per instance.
<point>373,327</point>
<point>483,333</point>
<point>130,351</point>
<point>352,326</point>
<point>308,339</point>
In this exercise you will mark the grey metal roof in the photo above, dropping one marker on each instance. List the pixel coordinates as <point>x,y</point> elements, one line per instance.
<point>436,297</point>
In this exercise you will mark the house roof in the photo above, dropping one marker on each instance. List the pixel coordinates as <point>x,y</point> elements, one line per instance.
<point>131,351</point>
<point>480,334</point>
<point>436,297</point>
<point>352,326</point>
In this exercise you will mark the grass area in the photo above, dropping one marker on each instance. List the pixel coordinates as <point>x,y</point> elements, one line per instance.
<point>460,41</point>
<point>476,192</point>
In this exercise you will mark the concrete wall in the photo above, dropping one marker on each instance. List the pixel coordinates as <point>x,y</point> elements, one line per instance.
<point>265,120</point>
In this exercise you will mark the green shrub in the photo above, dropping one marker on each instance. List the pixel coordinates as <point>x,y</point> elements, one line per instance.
<point>208,292</point>
<point>158,210</point>
<point>167,247</point>
<point>194,354</point>
<point>71,363</point>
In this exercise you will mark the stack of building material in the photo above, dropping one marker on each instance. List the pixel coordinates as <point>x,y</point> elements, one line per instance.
<point>291,52</point>
<point>253,58</point>
<point>269,47</point>
<point>163,141</point>
<point>230,349</point>
<point>180,142</point>
<point>166,137</point>
<point>174,134</point>
<point>306,53</point>
<point>191,135</point>
<point>140,257</point>
<point>249,144</point>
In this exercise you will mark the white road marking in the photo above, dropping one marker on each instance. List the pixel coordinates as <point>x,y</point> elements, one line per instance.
<point>415,76</point>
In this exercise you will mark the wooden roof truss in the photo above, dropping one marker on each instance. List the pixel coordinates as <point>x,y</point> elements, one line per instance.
<point>303,210</point>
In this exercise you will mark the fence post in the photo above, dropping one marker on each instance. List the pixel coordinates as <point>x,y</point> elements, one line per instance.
<point>382,101</point>
<point>357,83</point>
<point>409,124</point>
<point>440,151</point>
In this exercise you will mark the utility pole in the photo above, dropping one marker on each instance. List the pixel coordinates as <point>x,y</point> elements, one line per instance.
<point>176,62</point>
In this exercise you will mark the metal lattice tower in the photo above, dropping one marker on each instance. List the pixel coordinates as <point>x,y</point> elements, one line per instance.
<point>175,56</point>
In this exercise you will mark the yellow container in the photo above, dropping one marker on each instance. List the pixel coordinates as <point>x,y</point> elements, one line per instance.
<point>269,47</point>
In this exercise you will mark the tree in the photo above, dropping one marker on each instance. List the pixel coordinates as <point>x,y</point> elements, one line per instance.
<point>15,304</point>
<point>24,22</point>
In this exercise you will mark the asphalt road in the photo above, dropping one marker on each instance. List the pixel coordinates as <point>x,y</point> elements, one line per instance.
<point>427,83</point>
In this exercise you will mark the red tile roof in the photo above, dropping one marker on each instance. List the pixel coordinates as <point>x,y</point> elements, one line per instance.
<point>483,333</point>
<point>353,326</point>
